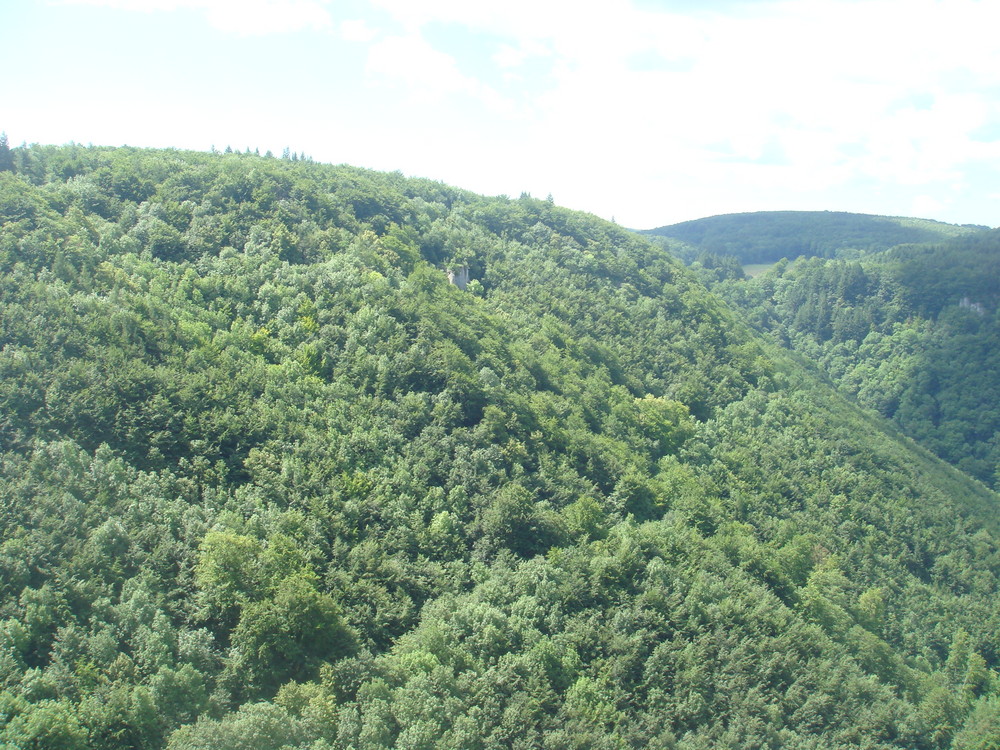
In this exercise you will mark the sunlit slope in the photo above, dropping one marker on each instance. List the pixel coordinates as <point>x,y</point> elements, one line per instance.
<point>271,479</point>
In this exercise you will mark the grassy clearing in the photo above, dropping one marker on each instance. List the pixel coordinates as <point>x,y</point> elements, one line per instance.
<point>756,269</point>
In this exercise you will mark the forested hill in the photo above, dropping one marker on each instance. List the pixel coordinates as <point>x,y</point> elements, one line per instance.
<point>769,236</point>
<point>913,333</point>
<point>271,481</point>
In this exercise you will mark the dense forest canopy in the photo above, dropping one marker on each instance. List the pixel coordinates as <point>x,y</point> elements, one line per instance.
<point>913,333</point>
<point>769,236</point>
<point>271,481</point>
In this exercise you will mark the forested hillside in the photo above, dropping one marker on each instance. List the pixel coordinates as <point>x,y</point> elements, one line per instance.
<point>769,236</point>
<point>271,481</point>
<point>913,333</point>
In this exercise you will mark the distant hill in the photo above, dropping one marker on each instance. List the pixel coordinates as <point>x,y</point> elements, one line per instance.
<point>769,236</point>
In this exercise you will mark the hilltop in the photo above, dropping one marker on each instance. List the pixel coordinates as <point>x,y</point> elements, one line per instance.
<point>769,236</point>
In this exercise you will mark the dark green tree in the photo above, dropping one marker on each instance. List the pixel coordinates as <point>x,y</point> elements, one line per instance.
<point>6,157</point>
<point>289,636</point>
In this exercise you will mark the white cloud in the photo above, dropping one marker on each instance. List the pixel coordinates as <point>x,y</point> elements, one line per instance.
<point>427,72</point>
<point>134,5</point>
<point>258,17</point>
<point>412,60</point>
<point>654,115</point>
<point>508,56</point>
<point>817,83</point>
<point>245,17</point>
<point>926,205</point>
<point>357,30</point>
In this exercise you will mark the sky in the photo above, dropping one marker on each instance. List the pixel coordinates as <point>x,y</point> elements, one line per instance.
<point>648,112</point>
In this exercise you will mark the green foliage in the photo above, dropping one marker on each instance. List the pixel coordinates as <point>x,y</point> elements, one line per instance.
<point>912,333</point>
<point>287,637</point>
<point>6,157</point>
<point>256,726</point>
<point>769,236</point>
<point>270,481</point>
<point>46,725</point>
<point>981,730</point>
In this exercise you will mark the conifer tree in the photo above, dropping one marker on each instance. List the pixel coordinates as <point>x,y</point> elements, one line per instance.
<point>6,157</point>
